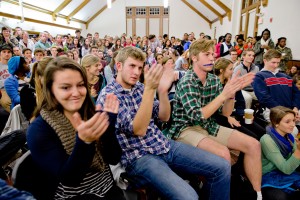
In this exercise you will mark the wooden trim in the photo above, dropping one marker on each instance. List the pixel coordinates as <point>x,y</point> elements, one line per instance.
<point>256,22</point>
<point>36,21</point>
<point>225,8</point>
<point>77,10</point>
<point>196,11</point>
<point>213,10</point>
<point>42,10</point>
<point>59,8</point>
<point>246,25</point>
<point>98,13</point>
<point>253,6</point>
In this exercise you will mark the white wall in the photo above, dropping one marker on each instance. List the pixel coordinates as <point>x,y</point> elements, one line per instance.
<point>285,15</point>
<point>182,19</point>
<point>222,29</point>
<point>111,21</point>
<point>232,26</point>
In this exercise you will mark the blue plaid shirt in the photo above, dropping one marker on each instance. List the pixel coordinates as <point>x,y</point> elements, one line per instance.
<point>134,147</point>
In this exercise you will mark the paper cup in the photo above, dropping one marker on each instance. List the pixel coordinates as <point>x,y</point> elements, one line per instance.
<point>248,114</point>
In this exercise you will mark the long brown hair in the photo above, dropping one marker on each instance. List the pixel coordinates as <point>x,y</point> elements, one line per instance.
<point>87,109</point>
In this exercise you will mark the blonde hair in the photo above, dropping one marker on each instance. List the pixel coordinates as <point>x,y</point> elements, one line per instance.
<point>200,45</point>
<point>165,60</point>
<point>89,60</point>
<point>272,53</point>
<point>131,52</point>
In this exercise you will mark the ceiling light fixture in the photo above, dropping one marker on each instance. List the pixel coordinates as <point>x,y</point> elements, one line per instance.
<point>166,3</point>
<point>108,3</point>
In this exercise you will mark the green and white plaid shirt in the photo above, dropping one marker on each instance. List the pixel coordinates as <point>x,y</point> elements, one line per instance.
<point>191,95</point>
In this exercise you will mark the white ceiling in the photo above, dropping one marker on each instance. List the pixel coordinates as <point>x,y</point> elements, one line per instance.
<point>94,6</point>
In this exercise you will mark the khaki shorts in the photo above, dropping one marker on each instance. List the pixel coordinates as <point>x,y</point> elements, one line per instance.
<point>192,135</point>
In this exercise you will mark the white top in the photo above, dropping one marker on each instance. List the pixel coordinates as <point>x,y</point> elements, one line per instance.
<point>4,74</point>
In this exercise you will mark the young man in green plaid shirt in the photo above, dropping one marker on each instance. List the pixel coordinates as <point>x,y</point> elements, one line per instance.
<point>199,95</point>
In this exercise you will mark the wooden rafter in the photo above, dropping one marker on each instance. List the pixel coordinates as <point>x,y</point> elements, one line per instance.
<point>36,21</point>
<point>77,10</point>
<point>96,14</point>
<point>42,10</point>
<point>196,11</point>
<point>59,8</point>
<point>225,8</point>
<point>213,10</point>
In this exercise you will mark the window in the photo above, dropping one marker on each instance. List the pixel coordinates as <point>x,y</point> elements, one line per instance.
<point>166,11</point>
<point>129,11</point>
<point>154,11</point>
<point>140,11</point>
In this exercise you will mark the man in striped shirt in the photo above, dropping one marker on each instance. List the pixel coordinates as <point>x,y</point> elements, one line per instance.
<point>274,88</point>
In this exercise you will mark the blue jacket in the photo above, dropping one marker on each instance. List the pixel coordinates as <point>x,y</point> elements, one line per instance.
<point>11,86</point>
<point>276,90</point>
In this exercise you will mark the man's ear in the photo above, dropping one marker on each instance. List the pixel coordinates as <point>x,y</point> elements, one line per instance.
<point>264,61</point>
<point>119,66</point>
<point>194,58</point>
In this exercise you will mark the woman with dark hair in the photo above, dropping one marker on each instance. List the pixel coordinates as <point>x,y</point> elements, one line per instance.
<point>110,70</point>
<point>117,46</point>
<point>226,46</point>
<point>280,157</point>
<point>286,54</point>
<point>85,49</point>
<point>65,138</point>
<point>218,46</point>
<point>77,46</point>
<point>18,69</point>
<point>262,46</point>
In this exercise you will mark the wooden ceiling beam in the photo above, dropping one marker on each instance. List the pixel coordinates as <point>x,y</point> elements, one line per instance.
<point>96,14</point>
<point>36,21</point>
<point>59,8</point>
<point>77,10</point>
<point>225,8</point>
<point>42,10</point>
<point>213,10</point>
<point>196,11</point>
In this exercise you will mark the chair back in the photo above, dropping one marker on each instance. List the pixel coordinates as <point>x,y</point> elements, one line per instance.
<point>27,176</point>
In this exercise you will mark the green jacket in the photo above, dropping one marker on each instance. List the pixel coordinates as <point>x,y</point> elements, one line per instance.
<point>259,52</point>
<point>272,158</point>
<point>286,56</point>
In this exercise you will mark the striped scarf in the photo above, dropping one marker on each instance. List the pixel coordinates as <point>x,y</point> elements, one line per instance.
<point>67,135</point>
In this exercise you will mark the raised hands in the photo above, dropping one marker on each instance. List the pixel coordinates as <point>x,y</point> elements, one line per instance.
<point>152,76</point>
<point>92,129</point>
<point>237,83</point>
<point>168,77</point>
<point>111,104</point>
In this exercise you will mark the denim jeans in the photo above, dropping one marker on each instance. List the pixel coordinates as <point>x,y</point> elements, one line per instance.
<point>158,171</point>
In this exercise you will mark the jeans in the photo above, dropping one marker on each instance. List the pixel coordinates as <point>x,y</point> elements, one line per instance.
<point>158,171</point>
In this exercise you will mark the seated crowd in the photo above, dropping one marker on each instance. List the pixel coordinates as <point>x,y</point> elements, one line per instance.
<point>169,110</point>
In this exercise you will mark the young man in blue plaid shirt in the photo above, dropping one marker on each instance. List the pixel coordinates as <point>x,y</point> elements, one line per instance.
<point>147,155</point>
<point>198,96</point>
